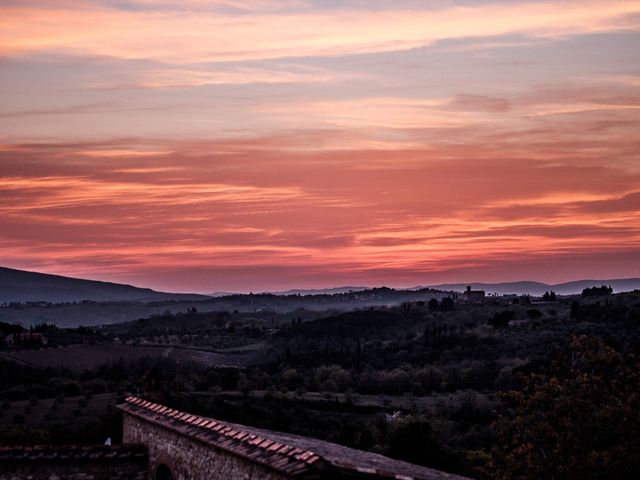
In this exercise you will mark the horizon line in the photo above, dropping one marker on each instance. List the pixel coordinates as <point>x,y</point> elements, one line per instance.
<point>334,287</point>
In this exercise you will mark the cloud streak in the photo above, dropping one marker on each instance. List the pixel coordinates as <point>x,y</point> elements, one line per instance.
<point>241,145</point>
<point>186,36</point>
<point>405,222</point>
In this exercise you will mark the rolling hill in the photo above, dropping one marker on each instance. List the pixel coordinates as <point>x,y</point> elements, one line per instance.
<point>24,286</point>
<point>538,288</point>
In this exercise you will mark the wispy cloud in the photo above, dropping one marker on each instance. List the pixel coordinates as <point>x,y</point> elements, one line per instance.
<point>240,144</point>
<point>316,212</point>
<point>187,36</point>
<point>182,77</point>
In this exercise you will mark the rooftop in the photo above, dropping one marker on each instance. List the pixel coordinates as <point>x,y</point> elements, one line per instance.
<point>290,454</point>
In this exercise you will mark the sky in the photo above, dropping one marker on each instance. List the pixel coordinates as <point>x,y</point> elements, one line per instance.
<point>253,145</point>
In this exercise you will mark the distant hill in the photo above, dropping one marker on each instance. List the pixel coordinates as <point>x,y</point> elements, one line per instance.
<point>322,291</point>
<point>538,288</point>
<point>23,286</point>
<point>618,285</point>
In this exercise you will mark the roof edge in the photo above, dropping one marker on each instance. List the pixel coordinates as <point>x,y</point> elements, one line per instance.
<point>304,461</point>
<point>138,407</point>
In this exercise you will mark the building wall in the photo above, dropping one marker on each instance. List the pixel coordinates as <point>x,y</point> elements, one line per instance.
<point>189,459</point>
<point>73,470</point>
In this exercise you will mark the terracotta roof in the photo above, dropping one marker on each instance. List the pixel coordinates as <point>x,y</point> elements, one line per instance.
<point>290,454</point>
<point>285,458</point>
<point>74,453</point>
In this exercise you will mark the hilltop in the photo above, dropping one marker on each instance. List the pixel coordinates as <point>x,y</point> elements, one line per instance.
<point>25,286</point>
<point>538,288</point>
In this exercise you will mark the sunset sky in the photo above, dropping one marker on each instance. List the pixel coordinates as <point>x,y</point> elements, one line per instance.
<point>250,145</point>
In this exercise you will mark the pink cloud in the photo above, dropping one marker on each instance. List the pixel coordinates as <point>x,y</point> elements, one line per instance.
<point>192,35</point>
<point>318,213</point>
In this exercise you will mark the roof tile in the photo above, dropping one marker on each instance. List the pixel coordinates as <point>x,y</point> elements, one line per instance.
<point>271,452</point>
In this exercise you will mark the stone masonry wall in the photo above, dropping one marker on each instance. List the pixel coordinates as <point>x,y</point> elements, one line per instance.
<point>73,471</point>
<point>187,458</point>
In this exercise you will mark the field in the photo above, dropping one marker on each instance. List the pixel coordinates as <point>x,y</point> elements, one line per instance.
<point>81,357</point>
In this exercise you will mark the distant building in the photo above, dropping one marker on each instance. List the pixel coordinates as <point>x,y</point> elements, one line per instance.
<point>26,339</point>
<point>474,296</point>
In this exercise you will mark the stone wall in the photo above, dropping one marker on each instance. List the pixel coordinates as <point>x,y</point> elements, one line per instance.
<point>189,458</point>
<point>75,470</point>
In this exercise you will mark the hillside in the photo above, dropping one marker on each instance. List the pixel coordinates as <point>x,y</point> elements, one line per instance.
<point>321,291</point>
<point>538,288</point>
<point>24,286</point>
<point>99,313</point>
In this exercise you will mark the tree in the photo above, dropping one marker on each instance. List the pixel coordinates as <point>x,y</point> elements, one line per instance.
<point>597,291</point>
<point>577,418</point>
<point>575,309</point>
<point>549,296</point>
<point>413,439</point>
<point>534,313</point>
<point>501,319</point>
<point>446,304</point>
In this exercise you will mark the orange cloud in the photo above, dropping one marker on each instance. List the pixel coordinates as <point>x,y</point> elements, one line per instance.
<point>313,218</point>
<point>158,142</point>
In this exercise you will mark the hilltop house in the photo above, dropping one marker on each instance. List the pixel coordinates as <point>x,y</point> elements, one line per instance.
<point>474,296</point>
<point>26,339</point>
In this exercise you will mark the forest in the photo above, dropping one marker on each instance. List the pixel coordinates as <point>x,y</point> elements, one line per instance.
<point>512,387</point>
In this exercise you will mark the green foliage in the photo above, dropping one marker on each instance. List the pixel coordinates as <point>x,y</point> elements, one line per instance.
<point>534,313</point>
<point>413,439</point>
<point>501,319</point>
<point>576,419</point>
<point>446,304</point>
<point>597,291</point>
<point>19,435</point>
<point>9,328</point>
<point>337,376</point>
